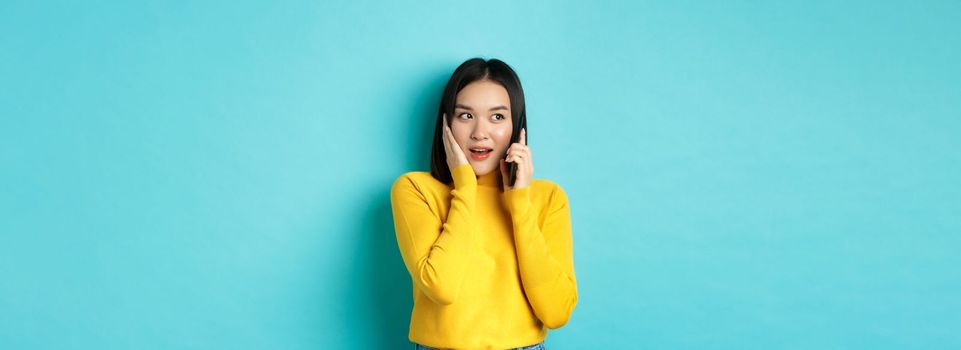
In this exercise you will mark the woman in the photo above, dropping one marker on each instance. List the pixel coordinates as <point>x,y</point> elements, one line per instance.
<point>491,262</point>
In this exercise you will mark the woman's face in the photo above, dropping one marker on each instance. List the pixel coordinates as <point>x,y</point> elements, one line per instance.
<point>482,119</point>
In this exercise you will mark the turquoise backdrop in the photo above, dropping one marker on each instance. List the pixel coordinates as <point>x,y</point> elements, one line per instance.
<point>742,174</point>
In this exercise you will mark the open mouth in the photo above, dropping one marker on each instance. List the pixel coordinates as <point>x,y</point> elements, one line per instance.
<point>480,152</point>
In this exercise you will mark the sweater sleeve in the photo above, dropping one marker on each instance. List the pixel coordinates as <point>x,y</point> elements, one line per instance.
<point>545,255</point>
<point>436,253</point>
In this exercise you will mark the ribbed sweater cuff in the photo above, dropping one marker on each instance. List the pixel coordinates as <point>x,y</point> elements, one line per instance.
<point>464,176</point>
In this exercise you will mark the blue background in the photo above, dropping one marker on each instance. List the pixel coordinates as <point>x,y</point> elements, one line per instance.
<point>216,175</point>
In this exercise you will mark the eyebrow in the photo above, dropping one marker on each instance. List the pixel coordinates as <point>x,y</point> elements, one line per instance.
<point>461,106</point>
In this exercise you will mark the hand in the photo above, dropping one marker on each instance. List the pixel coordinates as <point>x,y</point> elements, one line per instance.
<point>455,155</point>
<point>521,154</point>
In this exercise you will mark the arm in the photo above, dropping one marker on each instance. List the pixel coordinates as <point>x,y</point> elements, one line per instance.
<point>545,255</point>
<point>436,253</point>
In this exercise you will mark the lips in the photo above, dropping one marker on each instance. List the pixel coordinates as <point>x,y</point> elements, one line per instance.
<point>480,153</point>
<point>481,150</point>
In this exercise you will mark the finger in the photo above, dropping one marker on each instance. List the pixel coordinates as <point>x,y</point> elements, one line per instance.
<point>518,149</point>
<point>444,129</point>
<point>447,129</point>
<point>450,144</point>
<point>529,167</point>
<point>521,149</point>
<point>453,141</point>
<point>524,136</point>
<point>524,162</point>
<point>523,169</point>
<point>445,134</point>
<point>519,146</point>
<point>449,132</point>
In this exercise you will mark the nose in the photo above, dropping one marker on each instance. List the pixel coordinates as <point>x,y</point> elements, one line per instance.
<point>480,131</point>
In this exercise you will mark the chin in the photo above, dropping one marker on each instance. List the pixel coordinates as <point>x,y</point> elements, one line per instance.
<point>482,169</point>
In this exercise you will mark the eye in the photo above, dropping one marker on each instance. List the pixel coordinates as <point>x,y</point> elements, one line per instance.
<point>465,114</point>
<point>498,115</point>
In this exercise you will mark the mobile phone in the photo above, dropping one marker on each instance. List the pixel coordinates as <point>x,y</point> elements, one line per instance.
<point>511,173</point>
<point>512,166</point>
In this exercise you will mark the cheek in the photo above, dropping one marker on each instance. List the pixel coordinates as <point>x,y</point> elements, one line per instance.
<point>502,137</point>
<point>461,135</point>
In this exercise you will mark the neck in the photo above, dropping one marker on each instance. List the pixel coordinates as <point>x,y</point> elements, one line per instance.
<point>491,179</point>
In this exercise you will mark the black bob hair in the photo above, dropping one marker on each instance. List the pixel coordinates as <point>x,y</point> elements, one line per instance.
<point>472,70</point>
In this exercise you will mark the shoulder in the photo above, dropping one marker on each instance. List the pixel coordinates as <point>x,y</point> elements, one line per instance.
<point>549,190</point>
<point>419,181</point>
<point>545,185</point>
<point>409,177</point>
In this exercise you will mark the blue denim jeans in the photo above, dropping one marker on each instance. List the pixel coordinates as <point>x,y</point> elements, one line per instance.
<point>538,346</point>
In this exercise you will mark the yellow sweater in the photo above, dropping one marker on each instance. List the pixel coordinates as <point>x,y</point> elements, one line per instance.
<point>490,269</point>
